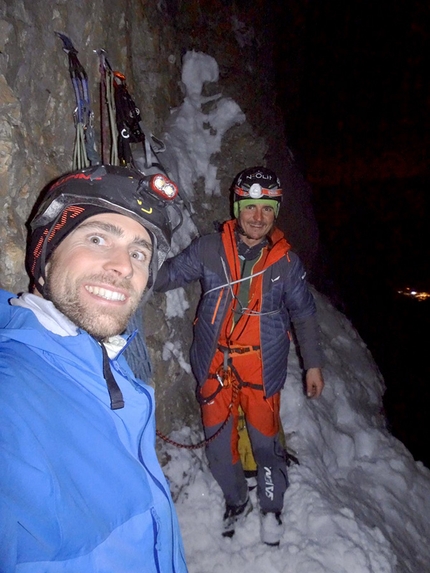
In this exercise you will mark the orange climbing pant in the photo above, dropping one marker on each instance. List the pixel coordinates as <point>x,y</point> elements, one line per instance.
<point>241,385</point>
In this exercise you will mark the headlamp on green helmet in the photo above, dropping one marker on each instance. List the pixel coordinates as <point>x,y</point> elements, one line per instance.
<point>256,184</point>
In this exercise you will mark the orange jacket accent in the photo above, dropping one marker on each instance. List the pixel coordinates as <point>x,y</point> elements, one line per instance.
<point>246,331</point>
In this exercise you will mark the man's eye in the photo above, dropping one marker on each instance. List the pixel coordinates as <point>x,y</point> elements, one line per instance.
<point>139,255</point>
<point>97,240</point>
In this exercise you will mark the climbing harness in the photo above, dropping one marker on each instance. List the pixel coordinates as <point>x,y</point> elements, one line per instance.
<point>84,153</point>
<point>226,380</point>
<point>227,376</point>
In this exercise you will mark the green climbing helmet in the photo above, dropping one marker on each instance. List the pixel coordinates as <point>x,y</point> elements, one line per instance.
<point>256,184</point>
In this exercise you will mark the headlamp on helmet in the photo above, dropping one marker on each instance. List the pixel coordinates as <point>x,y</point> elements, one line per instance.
<point>257,183</point>
<point>102,188</point>
<point>257,191</point>
<point>161,185</point>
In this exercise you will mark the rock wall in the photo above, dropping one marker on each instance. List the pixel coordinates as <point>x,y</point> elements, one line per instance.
<point>146,40</point>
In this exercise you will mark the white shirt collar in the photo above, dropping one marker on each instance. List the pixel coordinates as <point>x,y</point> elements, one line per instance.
<point>55,321</point>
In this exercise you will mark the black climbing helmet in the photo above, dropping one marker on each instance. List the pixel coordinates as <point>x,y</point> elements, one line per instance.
<point>74,197</point>
<point>256,184</point>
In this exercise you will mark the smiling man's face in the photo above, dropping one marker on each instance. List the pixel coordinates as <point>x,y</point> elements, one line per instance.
<point>98,273</point>
<point>256,220</point>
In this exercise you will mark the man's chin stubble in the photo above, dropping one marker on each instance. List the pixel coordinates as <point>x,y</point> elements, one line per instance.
<point>100,326</point>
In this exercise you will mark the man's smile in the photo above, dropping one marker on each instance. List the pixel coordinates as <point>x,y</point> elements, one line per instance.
<point>105,293</point>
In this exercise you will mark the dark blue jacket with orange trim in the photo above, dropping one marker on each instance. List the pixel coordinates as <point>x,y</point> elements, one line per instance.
<point>285,299</point>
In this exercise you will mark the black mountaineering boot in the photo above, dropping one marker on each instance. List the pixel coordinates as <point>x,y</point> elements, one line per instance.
<point>233,515</point>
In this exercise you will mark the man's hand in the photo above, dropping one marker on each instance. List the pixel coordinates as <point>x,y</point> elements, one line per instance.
<point>314,382</point>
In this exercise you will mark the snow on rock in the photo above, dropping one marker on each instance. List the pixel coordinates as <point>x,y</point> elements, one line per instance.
<point>176,303</point>
<point>193,135</point>
<point>174,349</point>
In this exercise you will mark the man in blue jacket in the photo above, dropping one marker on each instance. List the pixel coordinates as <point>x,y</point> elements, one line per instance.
<point>254,292</point>
<point>81,487</point>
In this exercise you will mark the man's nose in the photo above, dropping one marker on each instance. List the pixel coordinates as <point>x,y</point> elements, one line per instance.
<point>258,214</point>
<point>118,260</point>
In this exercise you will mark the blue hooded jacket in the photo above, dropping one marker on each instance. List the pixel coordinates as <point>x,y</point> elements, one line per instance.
<point>80,484</point>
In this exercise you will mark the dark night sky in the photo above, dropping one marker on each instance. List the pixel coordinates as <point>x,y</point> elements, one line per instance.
<point>354,84</point>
